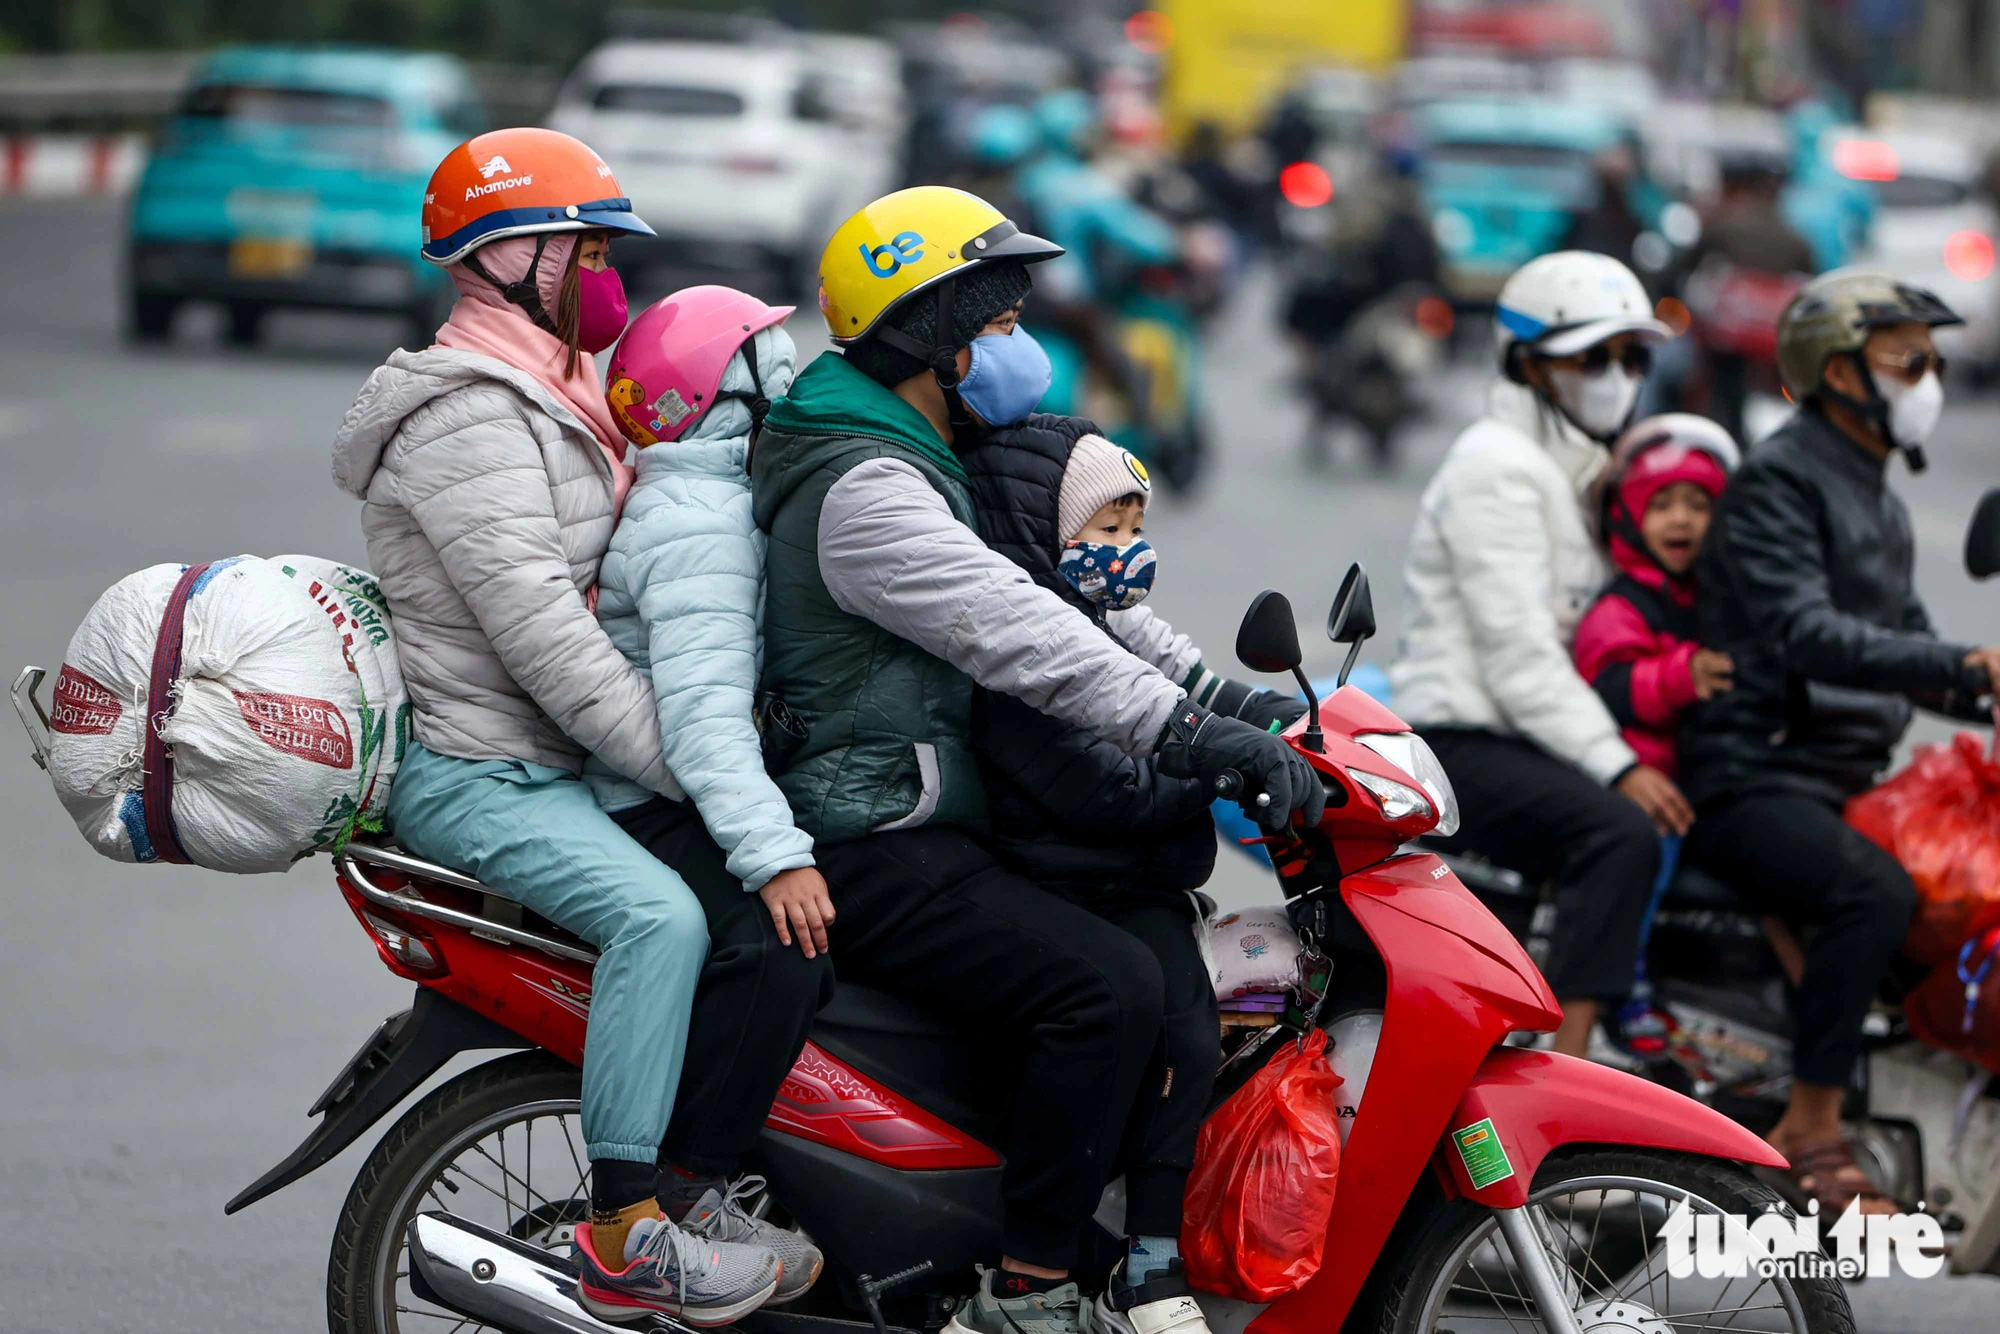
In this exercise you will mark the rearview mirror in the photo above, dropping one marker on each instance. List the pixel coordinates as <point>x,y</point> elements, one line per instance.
<point>1268,640</point>
<point>1982,537</point>
<point>1352,619</point>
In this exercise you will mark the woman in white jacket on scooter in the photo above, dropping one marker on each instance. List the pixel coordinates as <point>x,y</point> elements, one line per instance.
<point>1502,566</point>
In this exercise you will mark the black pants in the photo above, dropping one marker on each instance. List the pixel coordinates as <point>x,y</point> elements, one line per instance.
<point>1792,852</point>
<point>1158,1148</point>
<point>928,914</point>
<point>1526,810</point>
<point>753,1006</point>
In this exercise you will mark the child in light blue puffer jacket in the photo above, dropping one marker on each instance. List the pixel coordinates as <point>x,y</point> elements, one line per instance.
<point>681,594</point>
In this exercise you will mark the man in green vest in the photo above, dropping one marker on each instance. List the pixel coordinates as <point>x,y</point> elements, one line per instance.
<point>884,608</point>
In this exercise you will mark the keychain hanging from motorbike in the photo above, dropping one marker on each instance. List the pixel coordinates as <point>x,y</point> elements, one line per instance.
<point>1987,946</point>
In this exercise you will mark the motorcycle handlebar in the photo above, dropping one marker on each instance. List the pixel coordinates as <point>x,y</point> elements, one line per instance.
<point>1229,786</point>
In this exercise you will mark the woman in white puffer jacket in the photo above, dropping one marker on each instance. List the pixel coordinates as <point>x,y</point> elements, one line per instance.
<point>1502,566</point>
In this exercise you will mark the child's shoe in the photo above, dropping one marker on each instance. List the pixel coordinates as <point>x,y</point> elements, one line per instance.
<point>673,1272</point>
<point>1162,1304</point>
<point>721,1216</point>
<point>1640,1029</point>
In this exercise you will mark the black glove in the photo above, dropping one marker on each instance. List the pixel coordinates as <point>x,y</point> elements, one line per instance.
<point>1201,744</point>
<point>1258,707</point>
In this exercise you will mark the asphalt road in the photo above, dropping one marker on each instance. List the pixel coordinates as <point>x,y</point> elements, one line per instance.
<point>162,1029</point>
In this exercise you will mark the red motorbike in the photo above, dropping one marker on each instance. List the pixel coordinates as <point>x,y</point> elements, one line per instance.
<point>1483,1187</point>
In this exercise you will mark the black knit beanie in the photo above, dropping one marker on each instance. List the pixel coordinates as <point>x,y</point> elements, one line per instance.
<point>983,292</point>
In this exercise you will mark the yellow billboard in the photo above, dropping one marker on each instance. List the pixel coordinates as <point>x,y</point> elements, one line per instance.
<point>1228,60</point>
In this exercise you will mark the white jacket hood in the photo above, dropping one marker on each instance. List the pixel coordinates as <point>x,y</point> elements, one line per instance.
<point>406,382</point>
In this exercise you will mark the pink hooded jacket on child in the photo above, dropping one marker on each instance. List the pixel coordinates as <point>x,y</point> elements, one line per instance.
<point>1636,644</point>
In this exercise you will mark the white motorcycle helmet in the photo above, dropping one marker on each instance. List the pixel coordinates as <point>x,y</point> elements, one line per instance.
<point>1560,304</point>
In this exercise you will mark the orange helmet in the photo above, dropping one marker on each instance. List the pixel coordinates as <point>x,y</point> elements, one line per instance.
<point>517,183</point>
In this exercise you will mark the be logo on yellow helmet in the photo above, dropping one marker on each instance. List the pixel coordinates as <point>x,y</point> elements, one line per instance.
<point>517,183</point>
<point>906,242</point>
<point>884,260</point>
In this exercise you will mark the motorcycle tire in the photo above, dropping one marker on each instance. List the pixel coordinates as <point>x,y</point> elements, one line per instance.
<point>1423,1253</point>
<point>380,1203</point>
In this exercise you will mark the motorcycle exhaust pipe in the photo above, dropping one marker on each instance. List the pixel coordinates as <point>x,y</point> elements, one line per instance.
<point>490,1277</point>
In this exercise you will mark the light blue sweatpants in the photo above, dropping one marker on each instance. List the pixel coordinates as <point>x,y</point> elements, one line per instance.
<point>536,833</point>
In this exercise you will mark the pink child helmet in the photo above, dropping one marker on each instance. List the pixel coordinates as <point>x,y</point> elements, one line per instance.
<point>666,369</point>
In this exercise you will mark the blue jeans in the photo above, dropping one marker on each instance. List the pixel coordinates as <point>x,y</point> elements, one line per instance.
<point>536,834</point>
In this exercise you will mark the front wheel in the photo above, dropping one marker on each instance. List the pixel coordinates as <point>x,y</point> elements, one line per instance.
<point>501,1145</point>
<point>1600,1214</point>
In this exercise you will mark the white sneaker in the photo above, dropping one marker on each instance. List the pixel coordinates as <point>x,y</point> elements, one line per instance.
<point>1162,1304</point>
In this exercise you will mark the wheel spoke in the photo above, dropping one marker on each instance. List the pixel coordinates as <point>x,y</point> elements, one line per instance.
<point>1731,1311</point>
<point>1730,1324</point>
<point>473,1180</point>
<point>1498,1305</point>
<point>582,1176</point>
<point>1543,1225</point>
<point>504,1173</point>
<point>501,1163</point>
<point>1761,1281</point>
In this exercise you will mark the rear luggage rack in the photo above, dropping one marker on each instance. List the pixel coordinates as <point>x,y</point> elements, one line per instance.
<point>351,859</point>
<point>32,718</point>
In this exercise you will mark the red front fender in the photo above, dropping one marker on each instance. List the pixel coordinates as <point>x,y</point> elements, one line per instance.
<point>1538,1101</point>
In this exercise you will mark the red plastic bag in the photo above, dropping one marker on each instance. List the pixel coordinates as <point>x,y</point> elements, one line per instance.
<point>1940,818</point>
<point>1262,1187</point>
<point>1957,1007</point>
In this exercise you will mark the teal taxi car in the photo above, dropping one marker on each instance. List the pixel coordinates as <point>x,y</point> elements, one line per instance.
<point>1503,178</point>
<point>294,177</point>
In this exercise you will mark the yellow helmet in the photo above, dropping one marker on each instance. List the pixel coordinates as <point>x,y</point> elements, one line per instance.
<point>909,241</point>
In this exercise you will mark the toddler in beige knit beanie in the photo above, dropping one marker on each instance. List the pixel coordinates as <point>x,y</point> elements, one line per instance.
<point>1100,517</point>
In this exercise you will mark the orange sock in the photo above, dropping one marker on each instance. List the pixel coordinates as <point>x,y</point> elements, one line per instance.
<point>609,1231</point>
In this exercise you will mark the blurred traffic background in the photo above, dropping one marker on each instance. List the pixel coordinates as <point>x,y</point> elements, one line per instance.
<point>1286,222</point>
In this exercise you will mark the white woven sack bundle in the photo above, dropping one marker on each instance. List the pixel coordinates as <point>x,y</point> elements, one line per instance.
<point>353,601</point>
<point>279,730</point>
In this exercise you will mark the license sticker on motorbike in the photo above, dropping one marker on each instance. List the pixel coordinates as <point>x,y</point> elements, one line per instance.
<point>1479,1149</point>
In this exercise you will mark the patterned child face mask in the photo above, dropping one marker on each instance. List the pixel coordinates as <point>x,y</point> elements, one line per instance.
<point>1112,577</point>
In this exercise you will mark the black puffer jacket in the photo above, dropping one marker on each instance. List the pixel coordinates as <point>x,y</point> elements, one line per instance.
<point>1806,584</point>
<point>1068,811</point>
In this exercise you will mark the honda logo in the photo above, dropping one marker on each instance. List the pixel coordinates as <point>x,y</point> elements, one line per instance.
<point>492,167</point>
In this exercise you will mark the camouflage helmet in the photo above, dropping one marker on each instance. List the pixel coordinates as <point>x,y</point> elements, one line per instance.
<point>1835,313</point>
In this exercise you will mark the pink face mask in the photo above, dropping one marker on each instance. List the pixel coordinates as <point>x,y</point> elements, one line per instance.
<point>600,308</point>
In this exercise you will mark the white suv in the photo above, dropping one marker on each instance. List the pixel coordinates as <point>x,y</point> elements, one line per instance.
<point>742,157</point>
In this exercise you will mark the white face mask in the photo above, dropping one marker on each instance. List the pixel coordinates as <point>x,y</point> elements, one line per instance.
<point>1914,409</point>
<point>1598,403</point>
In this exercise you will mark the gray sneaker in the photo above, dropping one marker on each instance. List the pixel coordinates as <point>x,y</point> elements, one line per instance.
<point>671,1272</point>
<point>722,1217</point>
<point>1058,1311</point>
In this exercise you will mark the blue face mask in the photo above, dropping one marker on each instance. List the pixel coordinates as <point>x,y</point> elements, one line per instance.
<point>1112,577</point>
<point>1007,378</point>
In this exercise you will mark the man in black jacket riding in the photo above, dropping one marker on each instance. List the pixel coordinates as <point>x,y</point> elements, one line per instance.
<point>1806,584</point>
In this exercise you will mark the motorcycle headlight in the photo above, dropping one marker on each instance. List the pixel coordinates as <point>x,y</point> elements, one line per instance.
<point>1407,751</point>
<point>1398,801</point>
